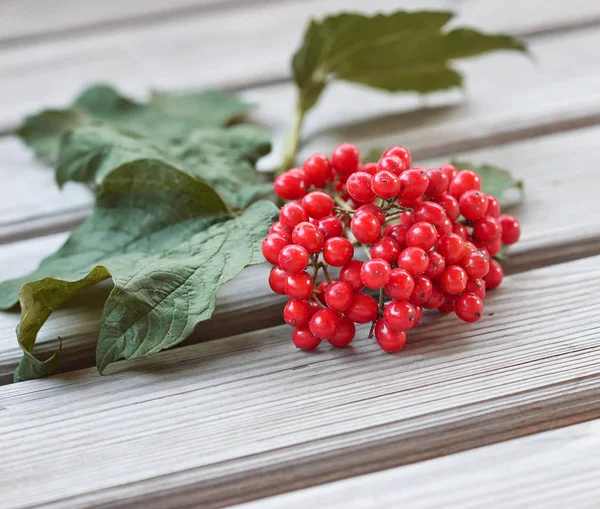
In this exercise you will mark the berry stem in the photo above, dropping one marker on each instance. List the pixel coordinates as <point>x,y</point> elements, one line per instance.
<point>293,139</point>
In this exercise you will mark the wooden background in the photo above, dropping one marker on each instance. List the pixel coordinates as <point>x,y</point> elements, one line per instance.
<point>496,414</point>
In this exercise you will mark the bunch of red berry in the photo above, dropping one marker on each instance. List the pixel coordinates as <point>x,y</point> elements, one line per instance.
<point>429,236</point>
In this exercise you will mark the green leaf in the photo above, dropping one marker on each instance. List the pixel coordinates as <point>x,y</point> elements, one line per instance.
<point>494,180</point>
<point>373,155</point>
<point>166,241</point>
<point>166,117</point>
<point>402,51</point>
<point>223,157</point>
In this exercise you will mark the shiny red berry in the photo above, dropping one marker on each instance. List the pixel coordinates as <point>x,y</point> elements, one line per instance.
<point>297,313</point>
<point>476,264</point>
<point>422,292</point>
<point>324,323</point>
<point>293,259</point>
<point>466,180</point>
<point>400,285</point>
<point>414,260</point>
<point>371,209</point>
<point>309,237</point>
<point>445,228</point>
<point>450,205</point>
<point>344,334</point>
<point>364,308</point>
<point>304,339</point>
<point>414,184</point>
<point>338,251</point>
<point>365,227</point>
<point>299,286</point>
<point>317,204</point>
<point>317,170</point>
<point>438,183</point>
<point>453,280</point>
<point>511,229</point>
<point>271,247</point>
<point>476,286</point>
<point>469,307</point>
<point>397,232</point>
<point>399,315</point>
<point>493,208</point>
<point>370,168</point>
<point>359,187</point>
<point>401,153</point>
<point>375,273</point>
<point>451,247</point>
<point>460,230</point>
<point>389,341</point>
<point>289,186</point>
<point>386,248</point>
<point>281,230</point>
<point>277,278</point>
<point>345,158</point>
<point>386,184</point>
<point>473,205</point>
<point>350,274</point>
<point>330,226</point>
<point>437,264</point>
<point>292,214</point>
<point>494,276</point>
<point>338,296</point>
<point>487,229</point>
<point>391,164</point>
<point>436,298</point>
<point>450,170</point>
<point>423,235</point>
<point>430,212</point>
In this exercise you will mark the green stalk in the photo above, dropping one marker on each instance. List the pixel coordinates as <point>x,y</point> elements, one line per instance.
<point>293,139</point>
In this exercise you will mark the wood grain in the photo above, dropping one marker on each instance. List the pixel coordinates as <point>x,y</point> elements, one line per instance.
<point>192,52</point>
<point>548,470</point>
<point>548,237</point>
<point>247,417</point>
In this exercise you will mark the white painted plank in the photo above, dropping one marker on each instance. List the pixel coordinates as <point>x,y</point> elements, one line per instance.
<point>547,237</point>
<point>561,91</point>
<point>247,417</point>
<point>249,44</point>
<point>550,470</point>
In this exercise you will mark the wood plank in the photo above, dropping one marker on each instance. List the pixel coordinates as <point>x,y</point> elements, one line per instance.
<point>191,52</point>
<point>247,417</point>
<point>560,92</point>
<point>550,470</point>
<point>547,238</point>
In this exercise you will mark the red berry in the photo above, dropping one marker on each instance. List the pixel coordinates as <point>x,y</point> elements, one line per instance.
<point>345,158</point>
<point>436,299</point>
<point>392,164</point>
<point>401,153</point>
<point>409,203</point>
<point>271,247</point>
<point>430,212</point>
<point>493,208</point>
<point>281,230</point>
<point>400,285</point>
<point>493,248</point>
<point>324,323</point>
<point>304,339</point>
<point>375,273</point>
<point>436,266</point>
<point>388,340</point>
<point>365,227</point>
<point>321,290</point>
<point>414,184</point>
<point>344,333</point>
<point>289,186</point>
<point>511,229</point>
<point>494,276</point>
<point>370,168</point>
<point>476,286</point>
<point>453,280</point>
<point>451,247</point>
<point>297,313</point>
<point>460,230</point>
<point>445,228</point>
<point>418,314</point>
<point>330,226</point>
<point>317,170</point>
<point>448,304</point>
<point>407,218</point>
<point>317,204</point>
<point>309,237</point>
<point>386,248</point>
<point>277,278</point>
<point>386,184</point>
<point>293,259</point>
<point>422,292</point>
<point>469,307</point>
<point>350,274</point>
<point>463,182</point>
<point>487,229</point>
<point>364,308</point>
<point>299,286</point>
<point>450,205</point>
<point>338,251</point>
<point>371,209</point>
<point>423,235</point>
<point>450,171</point>
<point>397,232</point>
<point>399,315</point>
<point>414,260</point>
<point>473,205</point>
<point>470,248</point>
<point>338,296</point>
<point>359,187</point>
<point>476,264</point>
<point>438,183</point>
<point>292,214</point>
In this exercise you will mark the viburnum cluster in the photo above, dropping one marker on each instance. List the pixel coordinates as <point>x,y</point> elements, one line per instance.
<point>429,235</point>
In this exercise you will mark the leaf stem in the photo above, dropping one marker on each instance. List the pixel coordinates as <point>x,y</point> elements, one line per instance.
<point>293,138</point>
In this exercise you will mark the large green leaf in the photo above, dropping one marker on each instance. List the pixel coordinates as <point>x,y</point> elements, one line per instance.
<point>223,157</point>
<point>402,51</point>
<point>165,117</point>
<point>168,243</point>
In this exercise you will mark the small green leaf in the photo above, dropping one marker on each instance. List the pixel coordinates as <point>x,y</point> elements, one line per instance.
<point>222,157</point>
<point>168,244</point>
<point>373,155</point>
<point>402,51</point>
<point>494,180</point>
<point>166,117</point>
